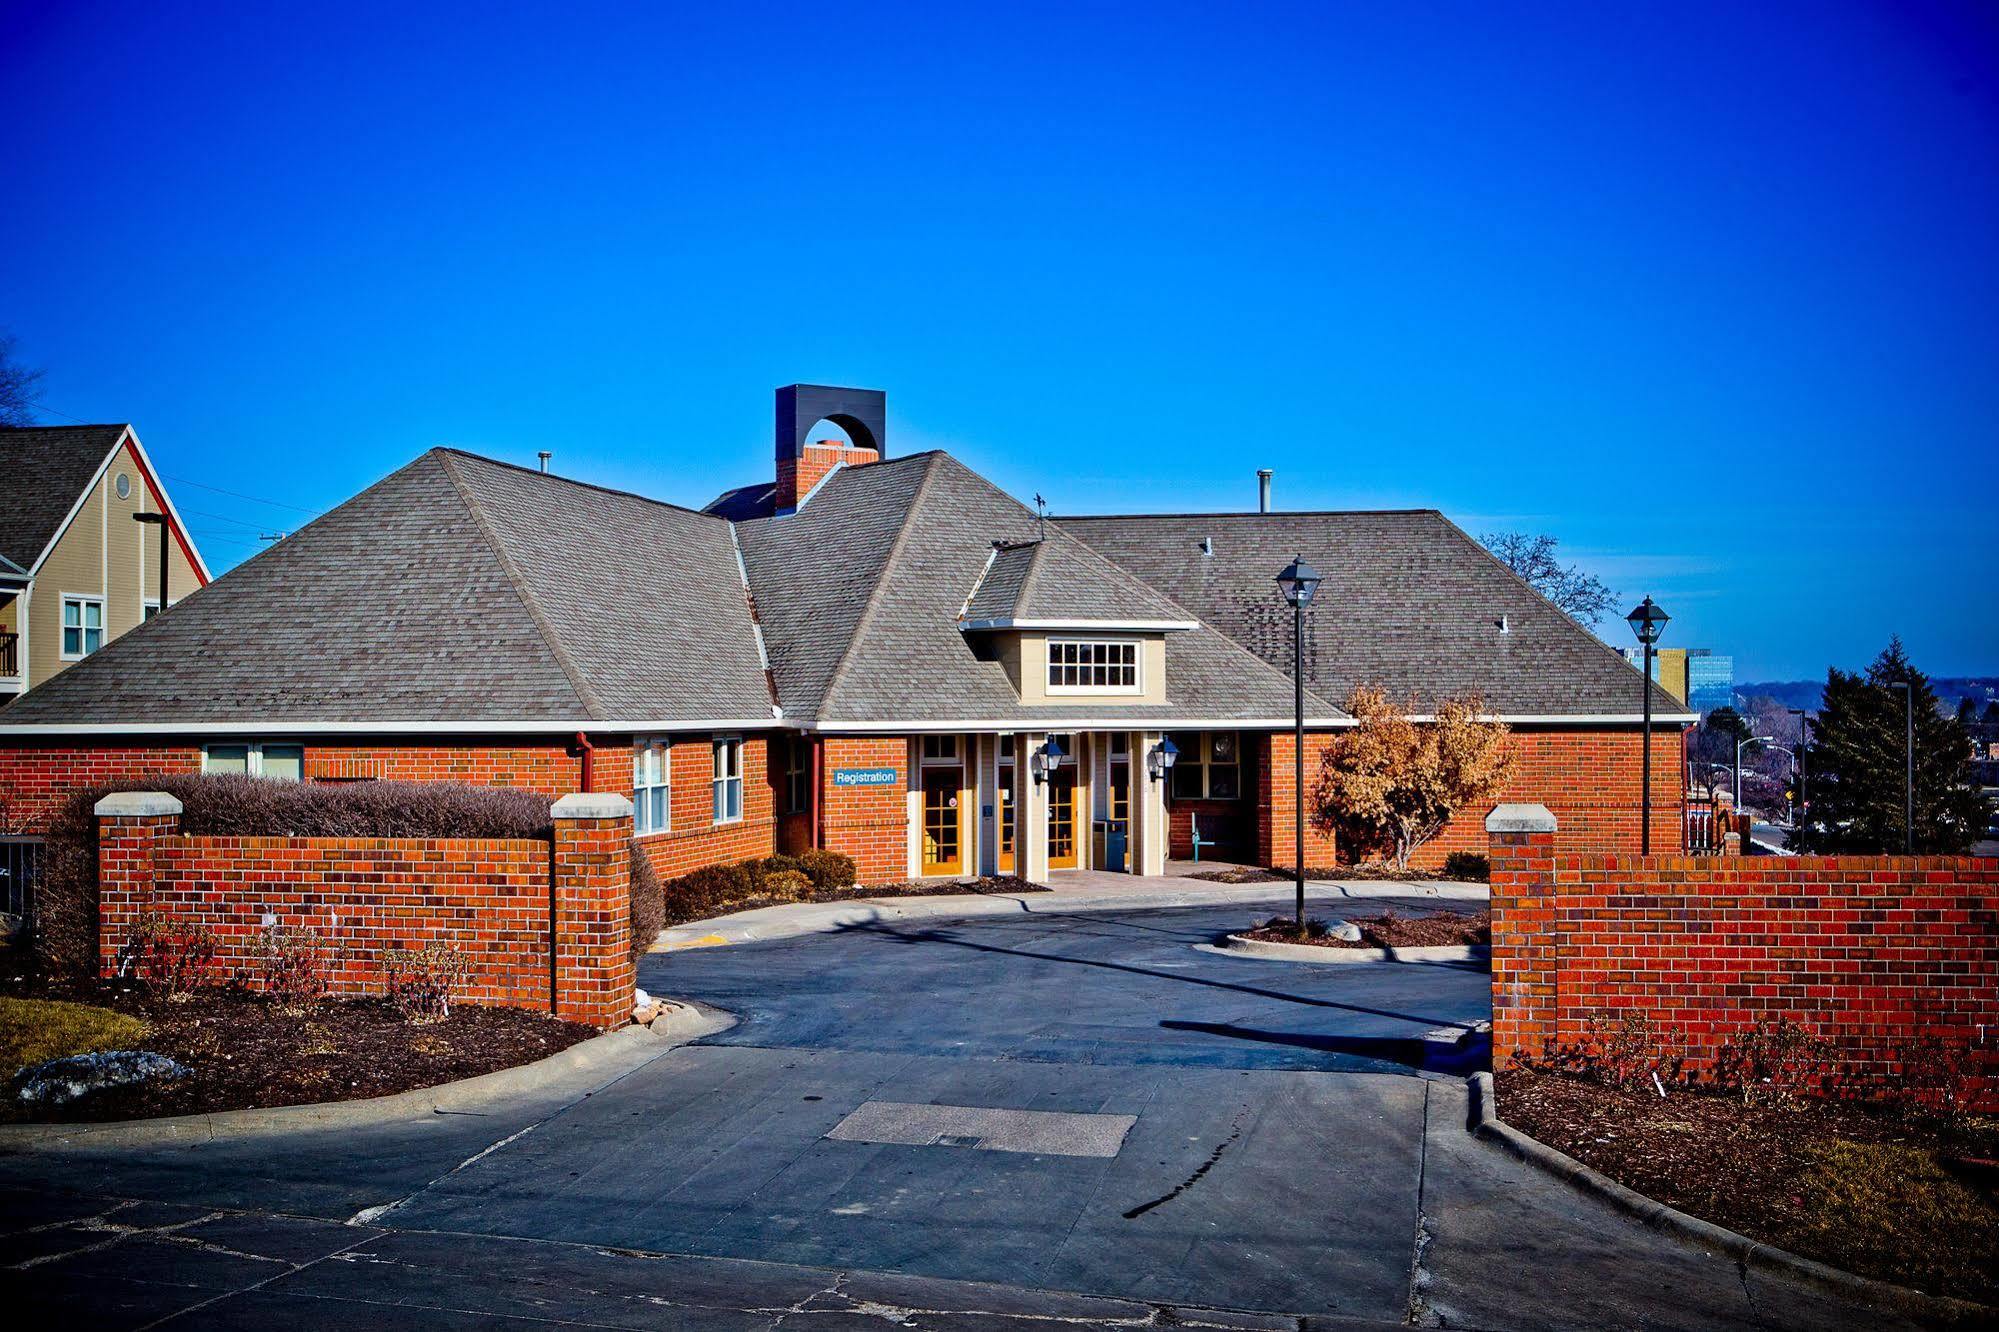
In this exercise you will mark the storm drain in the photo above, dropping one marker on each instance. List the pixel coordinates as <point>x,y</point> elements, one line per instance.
<point>1041,1132</point>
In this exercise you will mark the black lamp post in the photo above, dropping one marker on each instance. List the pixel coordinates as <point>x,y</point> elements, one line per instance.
<point>1299,581</point>
<point>158,520</point>
<point>1648,622</point>
<point>1908,765</point>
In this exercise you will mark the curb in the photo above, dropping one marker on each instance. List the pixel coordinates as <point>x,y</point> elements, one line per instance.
<point>611,1055</point>
<point>765,924</point>
<point>1938,1310</point>
<point>1238,946</point>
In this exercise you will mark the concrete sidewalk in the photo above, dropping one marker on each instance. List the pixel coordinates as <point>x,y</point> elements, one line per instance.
<point>1074,891</point>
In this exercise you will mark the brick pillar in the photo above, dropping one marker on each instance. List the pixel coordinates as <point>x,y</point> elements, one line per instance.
<point>127,823</point>
<point>1277,803</point>
<point>1525,956</point>
<point>594,973</point>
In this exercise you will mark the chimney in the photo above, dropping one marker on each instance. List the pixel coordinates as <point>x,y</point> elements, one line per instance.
<point>1263,475</point>
<point>803,462</point>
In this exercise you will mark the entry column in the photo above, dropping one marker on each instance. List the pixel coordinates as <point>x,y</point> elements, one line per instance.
<point>1148,835</point>
<point>1030,843</point>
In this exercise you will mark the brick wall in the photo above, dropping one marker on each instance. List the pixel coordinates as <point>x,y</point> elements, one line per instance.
<point>489,898</point>
<point>797,476</point>
<point>1588,778</point>
<point>36,779</point>
<point>1873,951</point>
<point>869,823</point>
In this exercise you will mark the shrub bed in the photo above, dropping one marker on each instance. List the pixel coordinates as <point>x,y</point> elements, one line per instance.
<point>713,890</point>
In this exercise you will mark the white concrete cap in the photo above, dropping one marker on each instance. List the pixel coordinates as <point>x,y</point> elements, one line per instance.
<point>592,805</point>
<point>1520,819</point>
<point>131,804</point>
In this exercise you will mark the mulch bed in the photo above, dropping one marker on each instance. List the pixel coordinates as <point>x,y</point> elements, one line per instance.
<point>1896,1198</point>
<point>242,1053</point>
<point>1389,930</point>
<point>1004,883</point>
<point>1369,873</point>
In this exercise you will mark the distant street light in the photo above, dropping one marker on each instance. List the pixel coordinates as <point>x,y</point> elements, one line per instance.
<point>1648,622</point>
<point>1299,581</point>
<point>1908,765</point>
<point>1745,740</point>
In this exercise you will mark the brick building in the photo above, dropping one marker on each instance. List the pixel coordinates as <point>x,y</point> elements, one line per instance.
<point>888,657</point>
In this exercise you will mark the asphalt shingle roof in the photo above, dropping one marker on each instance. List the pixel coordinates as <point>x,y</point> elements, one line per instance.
<point>454,590</point>
<point>1409,603</point>
<point>43,469</point>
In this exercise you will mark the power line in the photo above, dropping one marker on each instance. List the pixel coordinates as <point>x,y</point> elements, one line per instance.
<point>237,494</point>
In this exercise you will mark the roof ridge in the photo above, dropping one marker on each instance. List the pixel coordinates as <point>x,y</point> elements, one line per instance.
<point>76,425</point>
<point>1247,513</point>
<point>454,450</point>
<point>585,695</point>
<point>839,672</point>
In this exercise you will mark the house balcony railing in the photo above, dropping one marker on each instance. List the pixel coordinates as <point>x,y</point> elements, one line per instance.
<point>10,662</point>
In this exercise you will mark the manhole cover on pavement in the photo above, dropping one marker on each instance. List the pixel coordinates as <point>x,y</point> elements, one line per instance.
<point>1040,1132</point>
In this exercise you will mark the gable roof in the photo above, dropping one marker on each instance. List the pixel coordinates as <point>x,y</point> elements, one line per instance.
<point>1064,584</point>
<point>1409,603</point>
<point>456,593</point>
<point>861,591</point>
<point>43,470</point>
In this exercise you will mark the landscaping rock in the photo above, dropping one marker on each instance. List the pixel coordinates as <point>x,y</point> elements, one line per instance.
<point>1343,929</point>
<point>60,1081</point>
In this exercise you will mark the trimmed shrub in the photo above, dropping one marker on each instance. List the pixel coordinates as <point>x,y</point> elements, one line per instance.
<point>1467,865</point>
<point>770,866</point>
<point>297,965</point>
<point>787,885</point>
<point>692,896</point>
<point>828,869</point>
<point>172,956</point>
<point>648,901</point>
<point>219,805</point>
<point>423,980</point>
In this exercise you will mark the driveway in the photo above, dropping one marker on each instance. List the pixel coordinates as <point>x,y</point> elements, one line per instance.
<point>1002,1122</point>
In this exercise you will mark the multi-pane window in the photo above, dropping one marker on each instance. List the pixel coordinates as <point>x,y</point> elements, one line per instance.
<point>940,749</point>
<point>652,788</point>
<point>728,780</point>
<point>797,775</point>
<point>1209,765</point>
<point>82,626</point>
<point>1092,666</point>
<point>282,762</point>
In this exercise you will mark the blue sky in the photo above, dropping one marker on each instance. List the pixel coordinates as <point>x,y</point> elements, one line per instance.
<point>1710,294</point>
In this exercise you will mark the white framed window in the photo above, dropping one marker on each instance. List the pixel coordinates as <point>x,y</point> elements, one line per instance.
<point>728,780</point>
<point>82,626</point>
<point>285,763</point>
<point>1093,666</point>
<point>652,787</point>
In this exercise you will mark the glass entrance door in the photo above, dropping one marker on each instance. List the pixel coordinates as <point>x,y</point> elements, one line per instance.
<point>1003,798</point>
<point>1062,817</point>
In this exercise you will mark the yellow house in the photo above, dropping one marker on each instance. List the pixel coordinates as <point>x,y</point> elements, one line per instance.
<point>77,568</point>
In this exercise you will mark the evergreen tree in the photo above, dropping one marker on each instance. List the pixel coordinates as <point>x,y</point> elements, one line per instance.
<point>1857,758</point>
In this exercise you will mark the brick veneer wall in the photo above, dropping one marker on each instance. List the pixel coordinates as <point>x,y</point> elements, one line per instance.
<point>36,779</point>
<point>489,898</point>
<point>1589,778</point>
<point>1873,951</point>
<point>693,838</point>
<point>797,476</point>
<point>869,823</point>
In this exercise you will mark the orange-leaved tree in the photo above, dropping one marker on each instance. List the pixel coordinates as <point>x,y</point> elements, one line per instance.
<point>1388,784</point>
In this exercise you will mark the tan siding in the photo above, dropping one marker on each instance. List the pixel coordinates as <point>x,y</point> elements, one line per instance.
<point>76,565</point>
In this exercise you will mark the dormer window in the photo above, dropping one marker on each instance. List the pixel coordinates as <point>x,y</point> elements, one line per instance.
<point>1093,666</point>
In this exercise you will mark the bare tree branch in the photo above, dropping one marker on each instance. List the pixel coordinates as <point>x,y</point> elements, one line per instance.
<point>1581,596</point>
<point>17,386</point>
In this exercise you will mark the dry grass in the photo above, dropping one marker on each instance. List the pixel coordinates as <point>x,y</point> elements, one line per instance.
<point>1916,1221</point>
<point>33,1031</point>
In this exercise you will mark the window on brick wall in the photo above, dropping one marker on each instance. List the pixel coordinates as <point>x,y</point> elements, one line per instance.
<point>1209,766</point>
<point>652,786</point>
<point>728,780</point>
<point>284,763</point>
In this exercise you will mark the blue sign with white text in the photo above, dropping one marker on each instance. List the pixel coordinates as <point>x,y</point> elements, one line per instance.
<point>864,777</point>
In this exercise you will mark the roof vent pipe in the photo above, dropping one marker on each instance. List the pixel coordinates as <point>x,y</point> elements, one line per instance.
<point>1263,475</point>
<point>544,455</point>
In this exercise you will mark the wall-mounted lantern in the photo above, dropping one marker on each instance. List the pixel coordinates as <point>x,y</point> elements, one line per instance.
<point>1045,759</point>
<point>1160,761</point>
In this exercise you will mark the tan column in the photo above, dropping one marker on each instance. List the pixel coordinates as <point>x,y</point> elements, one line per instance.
<point>1030,846</point>
<point>1148,834</point>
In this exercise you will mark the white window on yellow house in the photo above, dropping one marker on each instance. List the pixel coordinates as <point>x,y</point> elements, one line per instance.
<point>82,626</point>
<point>652,788</point>
<point>1092,666</point>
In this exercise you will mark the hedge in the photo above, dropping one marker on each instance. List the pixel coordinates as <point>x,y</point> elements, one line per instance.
<point>706,891</point>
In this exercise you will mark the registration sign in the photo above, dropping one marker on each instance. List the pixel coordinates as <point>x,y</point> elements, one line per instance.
<point>864,777</point>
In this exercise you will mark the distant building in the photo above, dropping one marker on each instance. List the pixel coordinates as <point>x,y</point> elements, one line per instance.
<point>1669,668</point>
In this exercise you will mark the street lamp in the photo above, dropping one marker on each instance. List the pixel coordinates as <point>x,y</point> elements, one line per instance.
<point>1160,761</point>
<point>1737,770</point>
<point>1908,765</point>
<point>1299,581</point>
<point>1798,817</point>
<point>158,520</point>
<point>1648,622</point>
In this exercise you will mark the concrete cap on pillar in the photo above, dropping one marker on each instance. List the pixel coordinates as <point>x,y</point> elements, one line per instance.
<point>1520,819</point>
<point>592,805</point>
<point>137,804</point>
